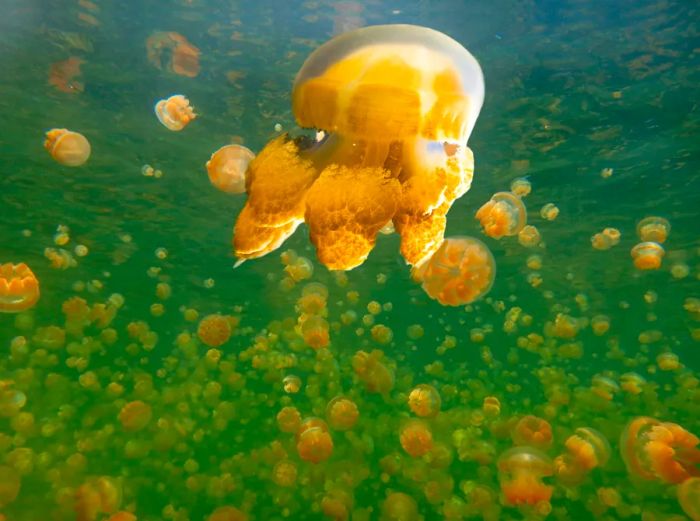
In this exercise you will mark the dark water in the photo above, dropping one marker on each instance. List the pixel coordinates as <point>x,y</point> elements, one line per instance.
<point>572,88</point>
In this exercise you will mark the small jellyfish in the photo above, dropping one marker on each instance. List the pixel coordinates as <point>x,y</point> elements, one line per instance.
<point>135,416</point>
<point>549,212</point>
<point>689,498</point>
<point>10,484</point>
<point>587,449</point>
<point>632,383</point>
<point>459,272</point>
<point>647,255</point>
<point>175,112</point>
<point>227,167</point>
<point>613,234</point>
<point>227,513</point>
<point>520,472</point>
<point>214,330</point>
<point>491,407</point>
<point>342,413</point>
<point>653,229</point>
<point>600,324</point>
<point>19,288</point>
<point>503,215</point>
<point>289,419</point>
<point>291,384</point>
<point>314,442</point>
<point>67,147</point>
<point>533,431</point>
<point>400,507</point>
<point>424,401</point>
<point>285,473</point>
<point>529,236</point>
<point>521,187</point>
<point>315,332</point>
<point>416,438</point>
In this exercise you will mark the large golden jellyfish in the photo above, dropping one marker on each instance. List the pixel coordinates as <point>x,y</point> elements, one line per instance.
<point>396,104</point>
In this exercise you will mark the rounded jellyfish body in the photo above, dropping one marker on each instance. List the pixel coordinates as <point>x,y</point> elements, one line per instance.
<point>227,167</point>
<point>396,104</point>
<point>19,288</point>
<point>503,215</point>
<point>647,255</point>
<point>653,229</point>
<point>175,112</point>
<point>67,147</point>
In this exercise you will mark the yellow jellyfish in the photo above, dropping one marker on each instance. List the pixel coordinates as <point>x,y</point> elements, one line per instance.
<point>549,212</point>
<point>291,384</point>
<point>227,513</point>
<point>647,255</point>
<point>653,229</point>
<point>289,419</point>
<point>314,442</point>
<point>521,187</point>
<point>342,413</point>
<point>424,400</point>
<point>529,236</point>
<point>19,288</point>
<point>416,438</point>
<point>503,215</point>
<point>689,498</point>
<point>214,330</point>
<point>533,431</point>
<point>459,272</point>
<point>67,147</point>
<point>175,112</point>
<point>520,471</point>
<point>135,416</point>
<point>227,167</point>
<point>397,104</point>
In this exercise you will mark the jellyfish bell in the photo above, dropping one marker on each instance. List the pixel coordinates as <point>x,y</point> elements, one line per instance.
<point>227,167</point>
<point>67,147</point>
<point>653,229</point>
<point>175,112</point>
<point>521,470</point>
<point>19,288</point>
<point>397,104</point>
<point>461,271</point>
<point>502,215</point>
<point>647,255</point>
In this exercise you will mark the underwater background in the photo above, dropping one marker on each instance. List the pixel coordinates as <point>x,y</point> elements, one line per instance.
<point>594,103</point>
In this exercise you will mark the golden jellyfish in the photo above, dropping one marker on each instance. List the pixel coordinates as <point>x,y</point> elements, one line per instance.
<point>533,431</point>
<point>135,416</point>
<point>315,332</point>
<point>400,507</point>
<point>67,147</point>
<point>175,112</point>
<point>397,104</point>
<point>549,212</point>
<point>285,473</point>
<point>653,229</point>
<point>521,187</point>
<point>416,438</point>
<point>459,272</point>
<point>689,498</point>
<point>632,383</point>
<point>19,288</point>
<point>227,167</point>
<point>314,442</point>
<point>342,413</point>
<point>424,401</point>
<point>529,236</point>
<point>183,56</point>
<point>122,516</point>
<point>63,74</point>
<point>655,450</point>
<point>520,472</point>
<point>227,513</point>
<point>503,215</point>
<point>647,255</point>
<point>289,419</point>
<point>586,449</point>
<point>214,330</point>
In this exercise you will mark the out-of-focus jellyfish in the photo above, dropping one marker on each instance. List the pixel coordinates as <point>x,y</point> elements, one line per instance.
<point>503,215</point>
<point>521,187</point>
<point>549,212</point>
<point>533,431</point>
<point>181,57</point>
<point>655,450</point>
<point>653,229</point>
<point>689,498</point>
<point>289,419</point>
<point>122,515</point>
<point>291,384</point>
<point>10,484</point>
<point>63,74</point>
<point>175,112</point>
<point>424,400</point>
<point>520,472</point>
<point>397,104</point>
<point>342,413</point>
<point>227,167</point>
<point>214,330</point>
<point>315,332</point>
<point>135,416</point>
<point>19,288</point>
<point>314,442</point>
<point>285,473</point>
<point>647,255</point>
<point>600,324</point>
<point>67,147</point>
<point>377,376</point>
<point>491,407</point>
<point>227,513</point>
<point>632,383</point>
<point>416,438</point>
<point>400,507</point>
<point>529,236</point>
<point>459,272</point>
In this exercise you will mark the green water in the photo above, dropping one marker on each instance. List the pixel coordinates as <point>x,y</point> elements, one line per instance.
<point>572,88</point>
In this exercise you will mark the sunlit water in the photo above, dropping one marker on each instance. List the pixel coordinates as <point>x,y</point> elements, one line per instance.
<point>575,91</point>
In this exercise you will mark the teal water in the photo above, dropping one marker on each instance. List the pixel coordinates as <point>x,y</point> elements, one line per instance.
<point>572,88</point>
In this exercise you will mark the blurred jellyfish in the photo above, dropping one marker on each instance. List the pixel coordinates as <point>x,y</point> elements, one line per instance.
<point>533,431</point>
<point>503,215</point>
<point>314,442</point>
<point>227,513</point>
<point>394,148</point>
<point>399,507</point>
<point>63,75</point>
<point>342,413</point>
<point>521,187</point>
<point>214,330</point>
<point>689,498</point>
<point>653,229</point>
<point>67,147</point>
<point>183,56</point>
<point>135,416</point>
<point>520,472</point>
<point>291,384</point>
<point>424,401</point>
<point>529,236</point>
<point>549,212</point>
<point>19,288</point>
<point>227,167</point>
<point>175,112</point>
<point>647,255</point>
<point>459,272</point>
<point>416,438</point>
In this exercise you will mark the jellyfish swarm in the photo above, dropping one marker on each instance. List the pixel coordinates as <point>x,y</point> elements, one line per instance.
<point>459,272</point>
<point>67,147</point>
<point>227,167</point>
<point>19,288</point>
<point>397,104</point>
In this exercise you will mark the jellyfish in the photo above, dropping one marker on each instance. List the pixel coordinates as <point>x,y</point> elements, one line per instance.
<point>653,229</point>
<point>10,484</point>
<point>647,255</point>
<point>399,507</point>
<point>520,472</point>
<point>135,416</point>
<point>549,211</point>
<point>424,401</point>
<point>227,167</point>
<point>227,513</point>
<point>285,473</point>
<point>289,419</point>
<point>459,272</point>
<point>503,215</point>
<point>529,236</point>
<point>184,57</point>
<point>655,450</point>
<point>533,431</point>
<point>175,112</point>
<point>314,442</point>
<point>67,147</point>
<point>521,187</point>
<point>291,384</point>
<point>19,288</point>
<point>586,449</point>
<point>342,413</point>
<point>62,75</point>
<point>689,498</point>
<point>416,438</point>
<point>315,332</point>
<point>397,104</point>
<point>214,330</point>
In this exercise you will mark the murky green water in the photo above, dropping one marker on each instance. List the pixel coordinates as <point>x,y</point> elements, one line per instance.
<point>123,407</point>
